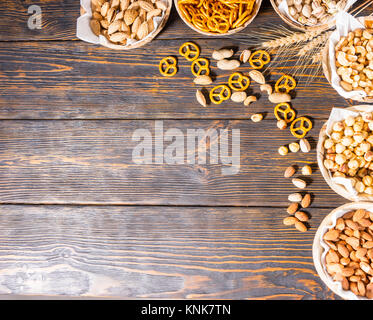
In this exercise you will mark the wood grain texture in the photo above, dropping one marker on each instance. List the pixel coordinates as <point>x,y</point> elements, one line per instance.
<point>156,252</point>
<point>58,20</point>
<point>117,229</point>
<point>76,80</point>
<point>90,162</point>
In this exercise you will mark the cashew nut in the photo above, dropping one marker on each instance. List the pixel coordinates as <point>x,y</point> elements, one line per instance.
<point>249,100</point>
<point>266,87</point>
<point>342,59</point>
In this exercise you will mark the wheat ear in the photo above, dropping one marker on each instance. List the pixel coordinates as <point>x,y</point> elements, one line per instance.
<point>296,37</point>
<point>317,57</point>
<point>314,43</point>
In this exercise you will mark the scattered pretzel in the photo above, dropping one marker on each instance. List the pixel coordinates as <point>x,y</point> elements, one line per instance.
<point>285,82</point>
<point>259,58</point>
<point>301,130</point>
<point>200,66</point>
<point>189,51</point>
<point>168,66</point>
<point>237,81</point>
<point>282,113</point>
<point>220,93</point>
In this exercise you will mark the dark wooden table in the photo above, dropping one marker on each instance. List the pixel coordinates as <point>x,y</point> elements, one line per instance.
<point>79,218</point>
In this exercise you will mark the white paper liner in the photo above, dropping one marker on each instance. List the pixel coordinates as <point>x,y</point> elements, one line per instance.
<point>339,114</point>
<point>84,31</point>
<point>344,24</point>
<point>284,8</point>
<point>343,293</point>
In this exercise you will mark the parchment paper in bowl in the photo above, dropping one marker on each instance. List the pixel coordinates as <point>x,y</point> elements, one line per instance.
<point>319,259</point>
<point>284,8</point>
<point>84,31</point>
<point>339,114</point>
<point>344,24</point>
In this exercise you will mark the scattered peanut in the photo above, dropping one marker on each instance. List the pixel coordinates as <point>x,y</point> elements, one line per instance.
<point>202,80</point>
<point>239,96</point>
<point>281,124</point>
<point>245,55</point>
<point>201,98</point>
<point>278,97</point>
<point>257,76</point>
<point>283,150</point>
<point>306,170</point>
<point>257,117</point>
<point>225,64</point>
<point>294,147</point>
<point>222,54</point>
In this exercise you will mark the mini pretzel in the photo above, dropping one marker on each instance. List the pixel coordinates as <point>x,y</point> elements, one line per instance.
<point>218,23</point>
<point>283,113</point>
<point>200,66</point>
<point>189,50</point>
<point>220,93</point>
<point>301,130</point>
<point>237,81</point>
<point>168,66</point>
<point>285,82</point>
<point>259,58</point>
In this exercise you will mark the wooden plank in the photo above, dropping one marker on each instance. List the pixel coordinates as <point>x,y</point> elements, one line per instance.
<point>157,252</point>
<point>58,20</point>
<point>91,162</point>
<point>75,80</point>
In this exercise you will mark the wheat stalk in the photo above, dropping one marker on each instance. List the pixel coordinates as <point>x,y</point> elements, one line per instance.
<point>317,57</point>
<point>291,39</point>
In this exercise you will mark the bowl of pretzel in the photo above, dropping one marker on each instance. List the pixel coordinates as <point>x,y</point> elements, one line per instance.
<point>217,17</point>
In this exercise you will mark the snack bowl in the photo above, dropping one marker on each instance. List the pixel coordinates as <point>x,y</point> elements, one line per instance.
<point>320,154</point>
<point>85,32</point>
<point>187,21</point>
<point>302,27</point>
<point>320,248</point>
<point>326,65</point>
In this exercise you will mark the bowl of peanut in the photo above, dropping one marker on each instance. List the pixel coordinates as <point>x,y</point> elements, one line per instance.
<point>345,152</point>
<point>347,61</point>
<point>343,251</point>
